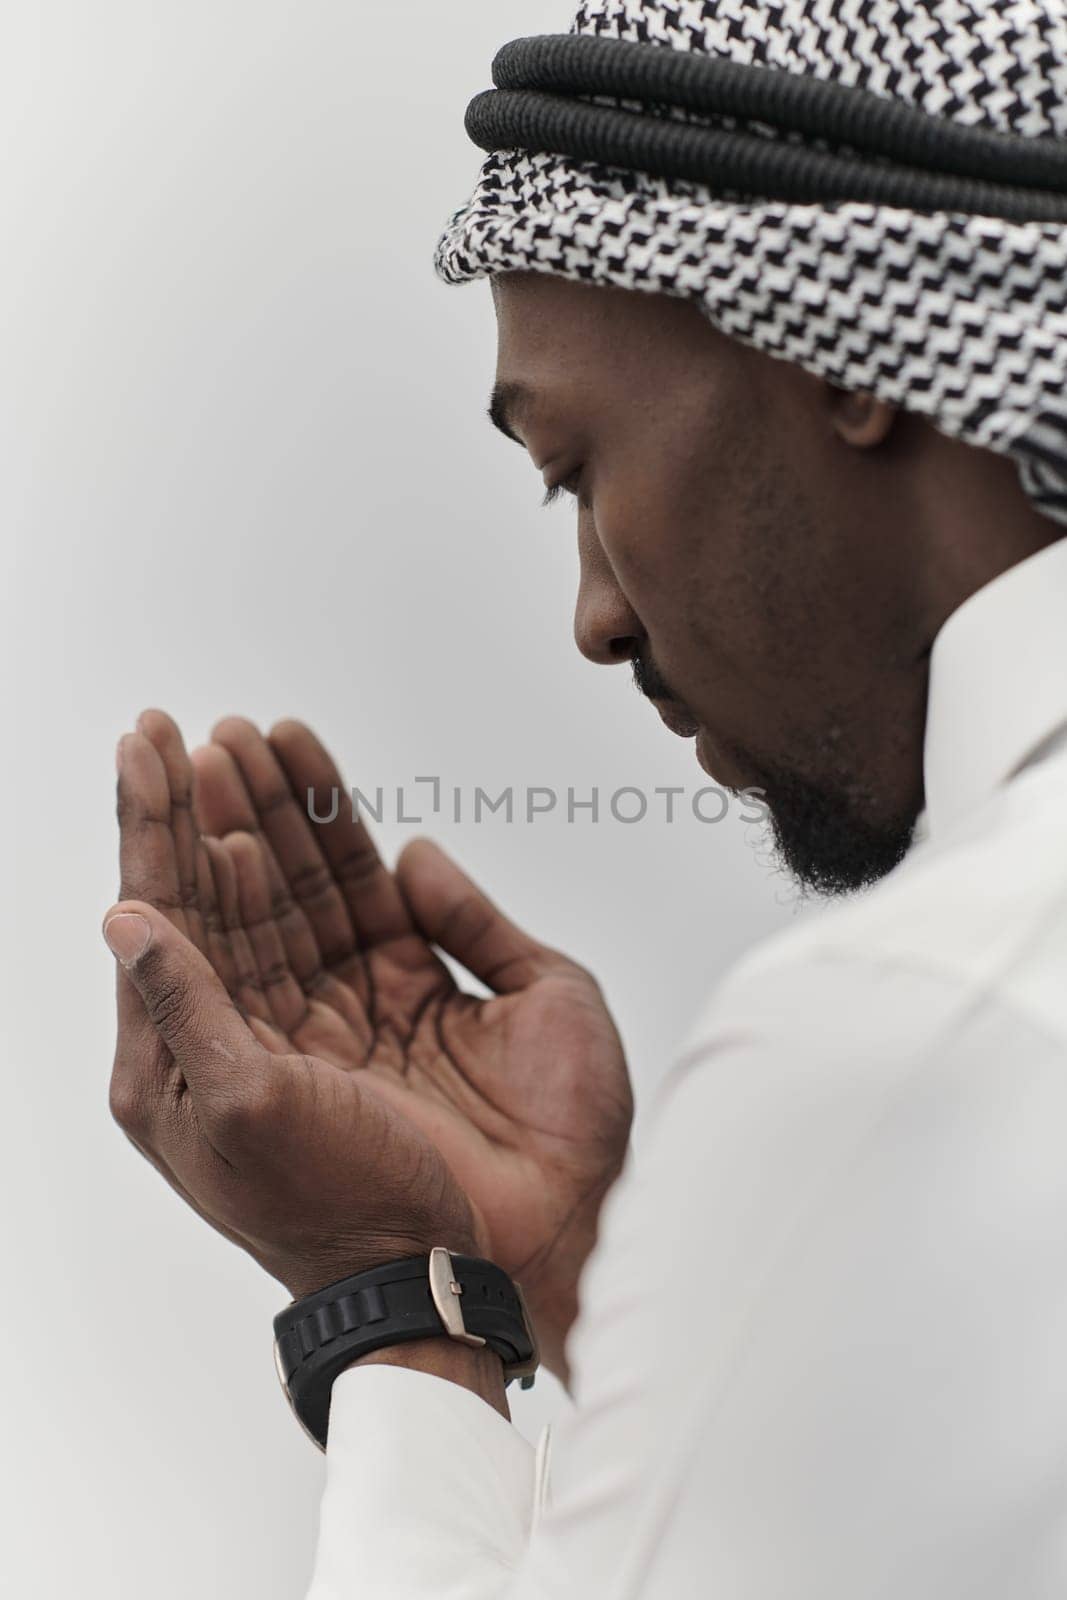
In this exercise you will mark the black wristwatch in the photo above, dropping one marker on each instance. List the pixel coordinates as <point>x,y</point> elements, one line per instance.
<point>421,1297</point>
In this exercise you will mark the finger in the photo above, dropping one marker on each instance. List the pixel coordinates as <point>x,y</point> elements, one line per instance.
<point>331,1000</point>
<point>225,806</point>
<point>162,732</point>
<point>285,997</point>
<point>216,938</point>
<point>148,871</point>
<point>147,858</point>
<point>454,914</point>
<point>272,1038</point>
<point>231,954</point>
<point>223,1064</point>
<point>375,904</point>
<point>222,801</point>
<point>283,817</point>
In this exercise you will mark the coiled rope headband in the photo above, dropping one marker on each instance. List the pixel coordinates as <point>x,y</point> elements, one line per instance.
<point>885,207</point>
<point>910,159</point>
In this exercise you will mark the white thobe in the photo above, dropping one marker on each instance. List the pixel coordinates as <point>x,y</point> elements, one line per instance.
<point>822,1350</point>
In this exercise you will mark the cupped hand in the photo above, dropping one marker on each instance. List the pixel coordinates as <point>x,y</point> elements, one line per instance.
<point>421,1109</point>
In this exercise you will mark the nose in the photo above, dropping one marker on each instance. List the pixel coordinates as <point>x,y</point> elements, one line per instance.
<point>607,630</point>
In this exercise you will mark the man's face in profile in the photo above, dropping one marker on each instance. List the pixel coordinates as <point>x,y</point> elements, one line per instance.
<point>738,552</point>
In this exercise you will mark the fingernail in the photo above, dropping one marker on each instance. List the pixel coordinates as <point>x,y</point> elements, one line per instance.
<point>128,936</point>
<point>118,753</point>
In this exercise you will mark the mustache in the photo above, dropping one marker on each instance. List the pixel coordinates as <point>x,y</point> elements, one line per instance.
<point>649,681</point>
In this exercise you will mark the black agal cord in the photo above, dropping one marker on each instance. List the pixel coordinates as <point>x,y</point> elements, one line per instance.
<point>868,148</point>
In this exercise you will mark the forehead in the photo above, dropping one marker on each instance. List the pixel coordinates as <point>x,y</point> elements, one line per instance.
<point>543,310</point>
<point>552,330</point>
<point>547,325</point>
<point>629,362</point>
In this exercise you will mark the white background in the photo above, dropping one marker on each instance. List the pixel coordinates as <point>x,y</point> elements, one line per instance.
<point>245,467</point>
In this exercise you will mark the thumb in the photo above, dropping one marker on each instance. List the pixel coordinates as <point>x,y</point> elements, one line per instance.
<point>453,913</point>
<point>184,999</point>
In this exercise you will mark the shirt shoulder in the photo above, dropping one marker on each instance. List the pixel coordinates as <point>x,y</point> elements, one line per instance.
<point>981,912</point>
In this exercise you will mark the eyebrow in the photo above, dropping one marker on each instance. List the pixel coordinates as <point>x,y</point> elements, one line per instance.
<point>507,403</point>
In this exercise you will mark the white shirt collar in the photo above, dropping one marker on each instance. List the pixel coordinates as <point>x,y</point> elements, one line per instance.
<point>998,684</point>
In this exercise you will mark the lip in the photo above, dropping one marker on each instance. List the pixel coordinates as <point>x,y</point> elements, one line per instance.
<point>676,720</point>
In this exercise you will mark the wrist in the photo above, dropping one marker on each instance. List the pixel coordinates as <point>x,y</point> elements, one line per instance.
<point>314,1272</point>
<point>480,1371</point>
<point>460,1318</point>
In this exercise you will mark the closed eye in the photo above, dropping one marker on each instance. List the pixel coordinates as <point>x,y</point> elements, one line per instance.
<point>557,491</point>
<point>569,486</point>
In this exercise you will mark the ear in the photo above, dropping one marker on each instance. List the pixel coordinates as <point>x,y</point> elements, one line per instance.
<point>859,419</point>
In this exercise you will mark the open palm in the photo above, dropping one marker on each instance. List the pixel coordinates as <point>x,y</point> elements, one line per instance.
<point>524,1093</point>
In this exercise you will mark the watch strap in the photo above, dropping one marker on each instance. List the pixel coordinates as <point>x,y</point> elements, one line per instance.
<point>419,1297</point>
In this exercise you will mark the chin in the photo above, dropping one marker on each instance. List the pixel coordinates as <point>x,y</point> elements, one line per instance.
<point>827,846</point>
<point>832,838</point>
<point>725,770</point>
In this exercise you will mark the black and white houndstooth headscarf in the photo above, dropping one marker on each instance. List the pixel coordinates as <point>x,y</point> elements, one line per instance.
<point>960,317</point>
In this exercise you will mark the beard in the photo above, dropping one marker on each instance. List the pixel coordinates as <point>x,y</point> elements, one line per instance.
<point>821,829</point>
<point>823,836</point>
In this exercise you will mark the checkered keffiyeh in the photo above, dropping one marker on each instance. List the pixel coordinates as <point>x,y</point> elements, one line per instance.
<point>962,318</point>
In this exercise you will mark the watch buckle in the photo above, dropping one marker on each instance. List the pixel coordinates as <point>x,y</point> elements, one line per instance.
<point>445,1292</point>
